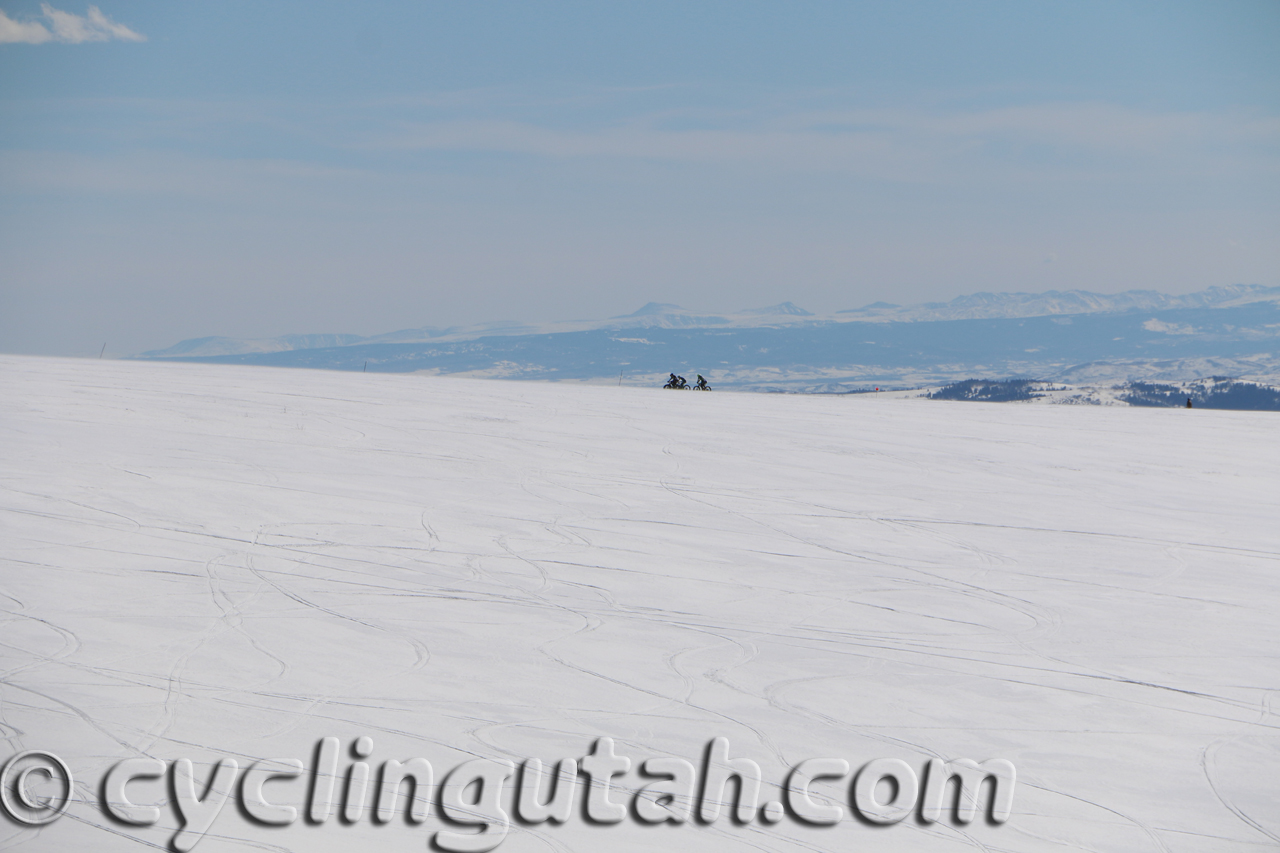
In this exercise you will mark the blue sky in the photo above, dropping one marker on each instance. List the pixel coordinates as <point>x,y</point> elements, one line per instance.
<point>173,170</point>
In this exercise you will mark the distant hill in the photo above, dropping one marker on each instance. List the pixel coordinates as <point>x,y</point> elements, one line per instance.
<point>1215,392</point>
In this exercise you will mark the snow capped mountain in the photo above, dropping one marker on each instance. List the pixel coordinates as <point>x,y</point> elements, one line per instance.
<point>662,316</point>
<point>782,308</point>
<point>653,308</point>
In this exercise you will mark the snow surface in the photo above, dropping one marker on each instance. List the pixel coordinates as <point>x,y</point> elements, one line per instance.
<point>207,561</point>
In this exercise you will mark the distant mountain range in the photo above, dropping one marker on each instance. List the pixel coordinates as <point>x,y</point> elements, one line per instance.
<point>977,306</point>
<point>1076,336</point>
<point>654,315</point>
<point>986,306</point>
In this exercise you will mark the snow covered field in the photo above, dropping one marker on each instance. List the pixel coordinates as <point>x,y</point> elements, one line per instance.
<point>210,561</point>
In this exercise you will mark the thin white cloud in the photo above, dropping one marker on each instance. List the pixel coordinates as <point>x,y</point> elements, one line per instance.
<point>65,27</point>
<point>1045,142</point>
<point>22,32</point>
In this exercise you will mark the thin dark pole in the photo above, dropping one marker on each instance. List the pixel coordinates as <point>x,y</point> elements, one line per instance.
<point>101,351</point>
